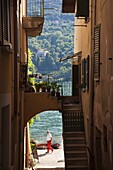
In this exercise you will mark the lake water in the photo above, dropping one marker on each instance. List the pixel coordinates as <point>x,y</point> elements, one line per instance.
<point>49,120</point>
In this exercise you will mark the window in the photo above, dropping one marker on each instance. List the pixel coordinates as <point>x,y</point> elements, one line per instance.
<point>85,74</point>
<point>5,22</point>
<point>1,33</point>
<point>97,52</point>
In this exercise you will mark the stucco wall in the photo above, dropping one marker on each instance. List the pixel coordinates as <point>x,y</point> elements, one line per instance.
<point>103,108</point>
<point>100,13</point>
<point>82,42</point>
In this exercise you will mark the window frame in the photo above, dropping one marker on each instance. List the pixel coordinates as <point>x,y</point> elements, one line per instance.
<point>5,24</point>
<point>85,74</point>
<point>96,53</point>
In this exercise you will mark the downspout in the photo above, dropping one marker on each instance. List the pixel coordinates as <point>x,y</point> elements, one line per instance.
<point>93,21</point>
<point>15,55</point>
<point>15,86</point>
<point>27,152</point>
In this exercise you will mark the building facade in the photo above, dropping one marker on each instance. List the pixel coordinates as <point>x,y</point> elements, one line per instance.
<point>94,39</point>
<point>12,53</point>
<point>17,22</point>
<point>93,62</point>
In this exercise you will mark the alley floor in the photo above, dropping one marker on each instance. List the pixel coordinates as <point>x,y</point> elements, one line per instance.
<point>54,160</point>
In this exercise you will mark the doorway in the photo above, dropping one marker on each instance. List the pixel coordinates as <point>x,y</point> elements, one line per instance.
<point>5,138</point>
<point>76,76</point>
<point>52,121</point>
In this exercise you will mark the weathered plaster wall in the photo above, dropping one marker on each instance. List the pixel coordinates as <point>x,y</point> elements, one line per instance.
<point>35,103</point>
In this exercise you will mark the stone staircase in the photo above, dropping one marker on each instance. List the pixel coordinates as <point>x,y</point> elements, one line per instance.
<point>74,138</point>
<point>75,151</point>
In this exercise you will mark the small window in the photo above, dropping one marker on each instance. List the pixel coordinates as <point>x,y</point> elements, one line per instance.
<point>97,53</point>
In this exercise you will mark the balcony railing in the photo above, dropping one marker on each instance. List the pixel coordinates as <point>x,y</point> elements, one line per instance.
<point>35,8</point>
<point>33,22</point>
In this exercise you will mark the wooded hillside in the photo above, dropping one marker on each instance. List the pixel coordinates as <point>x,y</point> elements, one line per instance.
<point>56,41</point>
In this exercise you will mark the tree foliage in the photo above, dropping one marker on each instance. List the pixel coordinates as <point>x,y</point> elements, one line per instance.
<point>57,38</point>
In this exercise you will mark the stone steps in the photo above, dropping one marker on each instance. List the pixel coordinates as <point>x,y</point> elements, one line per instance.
<point>74,138</point>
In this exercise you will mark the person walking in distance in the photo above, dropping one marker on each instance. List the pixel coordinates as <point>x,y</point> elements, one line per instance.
<point>49,141</point>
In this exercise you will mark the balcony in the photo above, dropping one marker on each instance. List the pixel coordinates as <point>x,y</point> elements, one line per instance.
<point>68,6</point>
<point>33,22</point>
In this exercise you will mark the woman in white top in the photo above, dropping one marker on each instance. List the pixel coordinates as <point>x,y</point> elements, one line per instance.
<point>49,141</point>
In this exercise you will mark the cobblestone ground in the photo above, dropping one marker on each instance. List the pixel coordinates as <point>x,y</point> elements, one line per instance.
<point>50,160</point>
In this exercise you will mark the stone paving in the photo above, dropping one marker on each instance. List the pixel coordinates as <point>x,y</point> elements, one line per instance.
<point>54,160</point>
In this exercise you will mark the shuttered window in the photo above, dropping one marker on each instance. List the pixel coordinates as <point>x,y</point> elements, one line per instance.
<point>5,21</point>
<point>1,23</point>
<point>83,75</point>
<point>87,73</point>
<point>97,52</point>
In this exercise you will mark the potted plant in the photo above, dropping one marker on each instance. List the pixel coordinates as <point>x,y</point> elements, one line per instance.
<point>53,87</point>
<point>48,87</point>
<point>43,86</point>
<point>37,87</point>
<point>58,90</point>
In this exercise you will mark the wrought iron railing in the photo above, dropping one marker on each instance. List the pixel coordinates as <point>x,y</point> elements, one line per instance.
<point>35,8</point>
<point>66,87</point>
<point>73,120</point>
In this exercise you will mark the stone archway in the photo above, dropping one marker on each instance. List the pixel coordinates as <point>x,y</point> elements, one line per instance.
<point>35,103</point>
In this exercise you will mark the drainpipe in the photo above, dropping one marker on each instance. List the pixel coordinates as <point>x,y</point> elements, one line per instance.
<point>15,55</point>
<point>93,20</point>
<point>15,85</point>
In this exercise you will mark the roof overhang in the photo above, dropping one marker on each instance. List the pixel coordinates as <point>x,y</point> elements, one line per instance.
<point>79,7</point>
<point>68,6</point>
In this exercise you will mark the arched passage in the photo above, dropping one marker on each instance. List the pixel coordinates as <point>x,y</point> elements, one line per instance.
<point>51,120</point>
<point>35,103</point>
<point>47,120</point>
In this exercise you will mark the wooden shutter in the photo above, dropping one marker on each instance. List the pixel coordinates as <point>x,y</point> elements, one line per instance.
<point>5,19</point>
<point>1,28</point>
<point>97,52</point>
<point>5,12</point>
<point>83,74</point>
<point>87,73</point>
